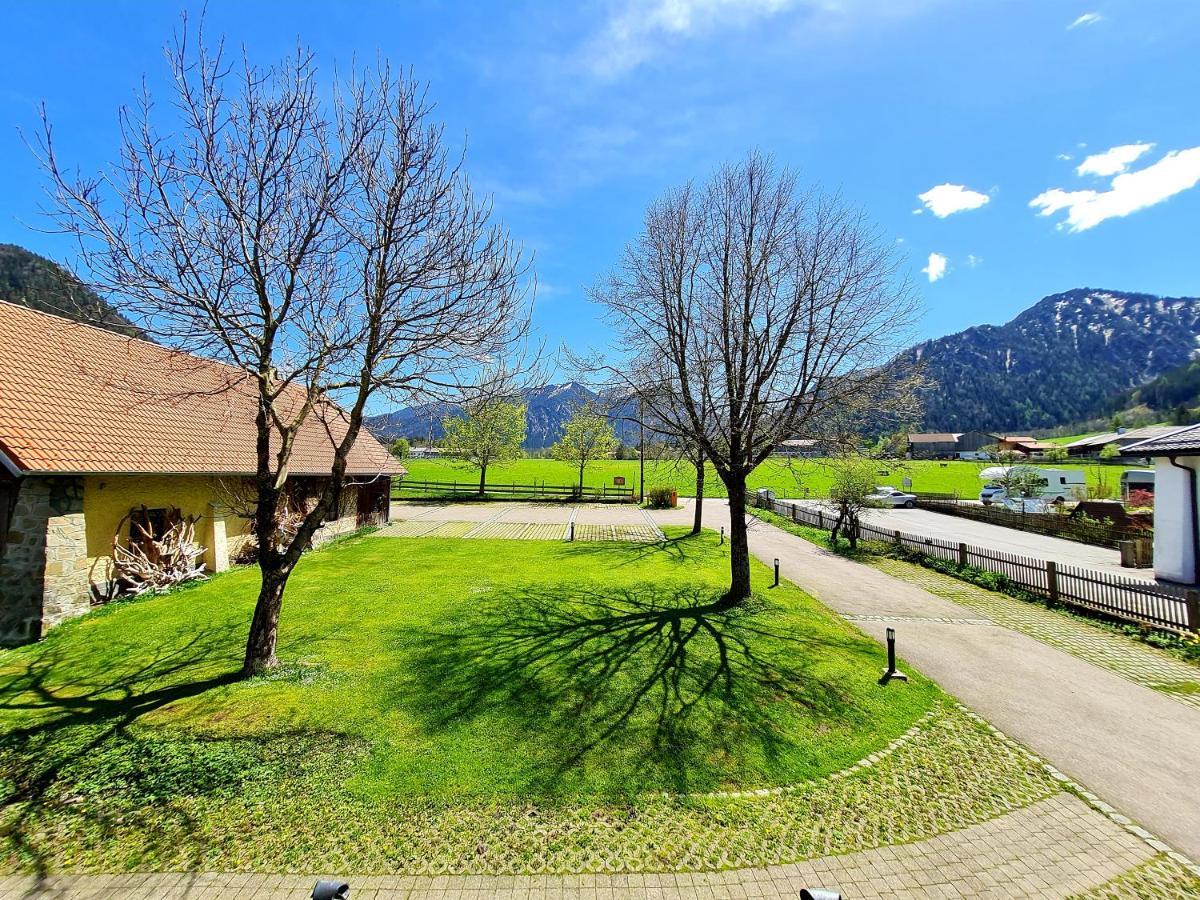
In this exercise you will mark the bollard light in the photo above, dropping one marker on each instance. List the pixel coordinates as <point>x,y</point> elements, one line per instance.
<point>777,571</point>
<point>891,672</point>
<point>572,534</point>
<point>331,890</point>
<point>722,534</point>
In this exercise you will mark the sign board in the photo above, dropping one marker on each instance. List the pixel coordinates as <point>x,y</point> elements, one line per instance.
<point>907,482</point>
<point>619,480</point>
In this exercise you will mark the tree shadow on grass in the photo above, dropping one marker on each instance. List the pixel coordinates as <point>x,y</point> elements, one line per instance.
<point>630,689</point>
<point>81,760</point>
<point>677,549</point>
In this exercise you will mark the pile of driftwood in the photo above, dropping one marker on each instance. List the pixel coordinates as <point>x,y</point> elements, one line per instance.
<point>154,562</point>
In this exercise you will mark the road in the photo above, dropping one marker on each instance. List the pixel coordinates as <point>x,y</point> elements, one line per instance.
<point>1133,746</point>
<point>996,537</point>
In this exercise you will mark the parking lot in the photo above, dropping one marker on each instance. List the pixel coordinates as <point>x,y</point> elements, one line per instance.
<point>997,537</point>
<point>522,521</point>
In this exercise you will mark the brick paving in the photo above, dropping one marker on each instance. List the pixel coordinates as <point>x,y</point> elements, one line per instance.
<point>522,522</point>
<point>1127,657</point>
<point>1057,847</point>
<point>518,531</point>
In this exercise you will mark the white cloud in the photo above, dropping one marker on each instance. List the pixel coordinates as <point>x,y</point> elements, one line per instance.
<point>1086,19</point>
<point>973,260</point>
<point>637,31</point>
<point>947,199</point>
<point>1129,192</point>
<point>936,267</point>
<point>634,33</point>
<point>1112,161</point>
<point>1065,157</point>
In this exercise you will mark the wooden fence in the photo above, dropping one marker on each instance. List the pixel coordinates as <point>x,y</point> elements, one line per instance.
<point>1145,602</point>
<point>1100,534</point>
<point>512,490</point>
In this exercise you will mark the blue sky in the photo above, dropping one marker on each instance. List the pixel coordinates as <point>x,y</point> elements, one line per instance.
<point>577,115</point>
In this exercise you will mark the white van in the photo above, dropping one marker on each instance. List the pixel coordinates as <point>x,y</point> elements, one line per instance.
<point>1052,484</point>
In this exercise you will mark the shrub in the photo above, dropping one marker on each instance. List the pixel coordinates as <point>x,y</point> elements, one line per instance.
<point>1141,499</point>
<point>661,497</point>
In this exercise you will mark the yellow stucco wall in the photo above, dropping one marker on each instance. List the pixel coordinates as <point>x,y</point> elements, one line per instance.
<point>107,499</point>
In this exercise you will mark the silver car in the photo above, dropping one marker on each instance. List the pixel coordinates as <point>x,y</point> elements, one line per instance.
<point>889,496</point>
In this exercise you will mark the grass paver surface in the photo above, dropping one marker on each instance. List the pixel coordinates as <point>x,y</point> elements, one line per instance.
<point>481,706</point>
<point>1159,878</point>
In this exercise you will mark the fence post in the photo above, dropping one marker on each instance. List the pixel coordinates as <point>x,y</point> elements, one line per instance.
<point>899,537</point>
<point>1052,579</point>
<point>1192,602</point>
<point>962,554</point>
<point>820,519</point>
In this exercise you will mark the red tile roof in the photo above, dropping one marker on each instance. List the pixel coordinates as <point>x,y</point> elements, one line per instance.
<point>78,399</point>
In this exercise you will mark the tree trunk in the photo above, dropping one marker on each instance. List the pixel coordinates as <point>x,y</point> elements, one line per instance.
<point>264,628</point>
<point>739,546</point>
<point>482,479</point>
<point>699,518</point>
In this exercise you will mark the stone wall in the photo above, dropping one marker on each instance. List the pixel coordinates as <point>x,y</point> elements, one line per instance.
<point>44,570</point>
<point>346,522</point>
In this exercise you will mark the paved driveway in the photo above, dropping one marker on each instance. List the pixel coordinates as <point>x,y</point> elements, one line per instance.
<point>1134,746</point>
<point>925,523</point>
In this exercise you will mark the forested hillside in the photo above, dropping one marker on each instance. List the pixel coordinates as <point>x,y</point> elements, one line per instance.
<point>41,284</point>
<point>1062,360</point>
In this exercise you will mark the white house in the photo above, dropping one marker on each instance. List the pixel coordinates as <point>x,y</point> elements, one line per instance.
<point>1176,456</point>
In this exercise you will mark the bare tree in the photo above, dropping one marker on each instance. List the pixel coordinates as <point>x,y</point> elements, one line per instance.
<point>768,308</point>
<point>325,244</point>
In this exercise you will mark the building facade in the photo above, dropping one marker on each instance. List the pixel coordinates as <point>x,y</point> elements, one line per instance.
<point>1176,455</point>
<point>97,429</point>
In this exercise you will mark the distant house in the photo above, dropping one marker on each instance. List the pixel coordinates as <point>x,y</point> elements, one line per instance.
<point>1176,456</point>
<point>932,445</point>
<point>1122,437</point>
<point>1011,443</point>
<point>801,447</point>
<point>97,429</point>
<point>971,444</point>
<point>1034,449</point>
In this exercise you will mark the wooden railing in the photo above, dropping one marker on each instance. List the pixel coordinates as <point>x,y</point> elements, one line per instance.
<point>511,490</point>
<point>1145,602</point>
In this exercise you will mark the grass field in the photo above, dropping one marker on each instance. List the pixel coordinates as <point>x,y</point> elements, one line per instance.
<point>427,670</point>
<point>788,478</point>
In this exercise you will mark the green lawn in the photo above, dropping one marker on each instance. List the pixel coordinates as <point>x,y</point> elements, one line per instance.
<point>788,478</point>
<point>425,671</point>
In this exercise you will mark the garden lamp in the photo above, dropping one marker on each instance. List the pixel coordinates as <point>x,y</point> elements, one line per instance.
<point>331,890</point>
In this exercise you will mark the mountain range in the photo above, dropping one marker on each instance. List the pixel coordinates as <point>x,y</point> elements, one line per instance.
<point>547,410</point>
<point>1068,358</point>
<point>1062,360</point>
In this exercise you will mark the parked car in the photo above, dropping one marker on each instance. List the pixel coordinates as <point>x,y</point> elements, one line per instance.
<point>992,493</point>
<point>889,496</point>
<point>1028,504</point>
